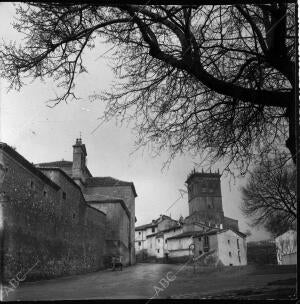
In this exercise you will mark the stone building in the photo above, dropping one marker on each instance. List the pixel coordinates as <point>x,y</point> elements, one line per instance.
<point>106,194</point>
<point>205,200</point>
<point>206,232</point>
<point>217,246</point>
<point>58,214</point>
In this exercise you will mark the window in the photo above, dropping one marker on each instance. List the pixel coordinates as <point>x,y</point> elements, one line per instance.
<point>228,241</point>
<point>45,193</point>
<point>64,195</point>
<point>74,215</point>
<point>153,229</point>
<point>238,244</point>
<point>157,250</point>
<point>200,252</point>
<point>230,254</point>
<point>166,241</point>
<point>139,232</point>
<point>139,243</point>
<point>206,243</point>
<point>31,184</point>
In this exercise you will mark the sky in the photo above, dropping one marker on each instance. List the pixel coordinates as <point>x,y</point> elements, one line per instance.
<point>43,134</point>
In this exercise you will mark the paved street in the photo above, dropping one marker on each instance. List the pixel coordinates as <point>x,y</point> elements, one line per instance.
<point>142,281</point>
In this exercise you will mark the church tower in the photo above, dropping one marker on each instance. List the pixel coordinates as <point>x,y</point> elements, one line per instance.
<point>79,162</point>
<point>205,198</point>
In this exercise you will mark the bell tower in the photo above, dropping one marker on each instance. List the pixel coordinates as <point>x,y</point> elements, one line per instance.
<point>205,198</point>
<point>79,162</point>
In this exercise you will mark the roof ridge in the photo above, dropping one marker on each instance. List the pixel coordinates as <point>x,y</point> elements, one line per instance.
<point>53,162</point>
<point>111,178</point>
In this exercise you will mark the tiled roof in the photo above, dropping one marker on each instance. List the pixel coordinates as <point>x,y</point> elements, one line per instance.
<point>108,181</point>
<point>142,227</point>
<point>201,233</point>
<point>193,233</point>
<point>239,233</point>
<point>150,235</point>
<point>172,228</point>
<point>61,163</point>
<point>154,223</point>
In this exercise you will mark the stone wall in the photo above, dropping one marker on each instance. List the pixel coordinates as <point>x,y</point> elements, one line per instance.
<point>45,225</point>
<point>124,193</point>
<point>117,228</point>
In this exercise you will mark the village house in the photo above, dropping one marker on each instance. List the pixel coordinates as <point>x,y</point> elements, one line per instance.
<point>144,245</point>
<point>286,247</point>
<point>206,234</point>
<point>59,214</point>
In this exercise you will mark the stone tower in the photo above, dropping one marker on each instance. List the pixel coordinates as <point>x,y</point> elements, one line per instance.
<point>205,198</point>
<point>79,162</point>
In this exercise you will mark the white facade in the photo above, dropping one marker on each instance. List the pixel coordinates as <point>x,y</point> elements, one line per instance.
<point>157,244</point>
<point>180,247</point>
<point>151,238</point>
<point>141,237</point>
<point>232,248</point>
<point>286,247</point>
<point>224,247</point>
<point>151,244</point>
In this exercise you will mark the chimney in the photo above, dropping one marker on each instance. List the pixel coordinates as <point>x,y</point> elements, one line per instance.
<point>79,160</point>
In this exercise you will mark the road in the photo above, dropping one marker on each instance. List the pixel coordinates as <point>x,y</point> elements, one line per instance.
<point>146,281</point>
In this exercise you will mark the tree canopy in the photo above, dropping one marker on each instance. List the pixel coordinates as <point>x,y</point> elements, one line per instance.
<point>269,197</point>
<point>215,79</point>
